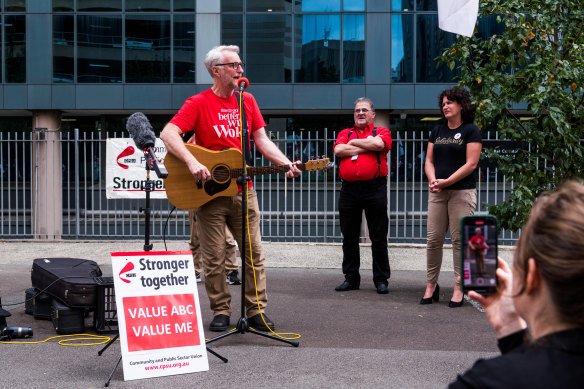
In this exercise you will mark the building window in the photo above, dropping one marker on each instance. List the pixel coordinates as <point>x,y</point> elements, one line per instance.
<point>318,5</point>
<point>99,49</point>
<point>63,6</point>
<point>232,30</point>
<point>148,48</point>
<point>269,5</point>
<point>317,48</point>
<point>231,6</point>
<point>147,5</point>
<point>353,48</point>
<point>300,41</point>
<point>15,5</point>
<point>99,5</point>
<point>184,5</point>
<point>402,5</point>
<point>426,5</point>
<point>353,5</point>
<point>15,48</point>
<point>402,48</point>
<point>63,48</point>
<point>184,48</point>
<point>269,48</point>
<point>430,44</point>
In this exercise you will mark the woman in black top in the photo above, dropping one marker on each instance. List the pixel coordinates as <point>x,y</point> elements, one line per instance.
<point>538,311</point>
<point>452,156</point>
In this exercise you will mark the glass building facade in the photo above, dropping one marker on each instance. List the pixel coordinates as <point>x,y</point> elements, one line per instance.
<point>98,60</point>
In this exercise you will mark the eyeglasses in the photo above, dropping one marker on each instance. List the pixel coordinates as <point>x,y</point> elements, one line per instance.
<point>234,65</point>
<point>364,110</point>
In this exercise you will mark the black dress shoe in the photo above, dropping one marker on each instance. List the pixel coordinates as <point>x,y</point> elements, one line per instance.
<point>455,304</point>
<point>219,323</point>
<point>346,285</point>
<point>258,324</point>
<point>435,296</point>
<point>382,288</point>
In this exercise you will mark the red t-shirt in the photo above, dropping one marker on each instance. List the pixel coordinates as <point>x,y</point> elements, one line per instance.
<point>478,241</point>
<point>364,166</point>
<point>216,120</point>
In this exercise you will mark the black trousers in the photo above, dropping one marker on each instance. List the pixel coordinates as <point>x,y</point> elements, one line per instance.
<point>369,196</point>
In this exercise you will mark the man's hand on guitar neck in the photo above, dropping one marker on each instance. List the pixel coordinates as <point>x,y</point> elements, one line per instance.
<point>294,171</point>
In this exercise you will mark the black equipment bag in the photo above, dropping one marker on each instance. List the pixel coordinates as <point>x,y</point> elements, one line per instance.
<point>68,279</point>
<point>67,320</point>
<point>29,301</point>
<point>41,305</point>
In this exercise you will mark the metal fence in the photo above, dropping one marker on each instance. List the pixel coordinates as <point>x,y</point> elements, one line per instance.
<point>299,210</point>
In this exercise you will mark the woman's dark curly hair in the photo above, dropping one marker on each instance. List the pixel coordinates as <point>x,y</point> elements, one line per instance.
<point>462,97</point>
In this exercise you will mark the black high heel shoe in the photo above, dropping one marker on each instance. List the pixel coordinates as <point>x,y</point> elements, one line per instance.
<point>435,296</point>
<point>455,304</point>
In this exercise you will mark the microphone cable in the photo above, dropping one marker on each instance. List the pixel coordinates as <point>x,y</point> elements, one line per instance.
<point>293,336</point>
<point>71,338</point>
<point>165,225</point>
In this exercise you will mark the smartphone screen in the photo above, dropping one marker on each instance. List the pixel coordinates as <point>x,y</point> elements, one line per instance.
<point>479,253</point>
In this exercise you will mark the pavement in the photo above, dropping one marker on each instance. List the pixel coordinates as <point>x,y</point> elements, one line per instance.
<point>355,339</point>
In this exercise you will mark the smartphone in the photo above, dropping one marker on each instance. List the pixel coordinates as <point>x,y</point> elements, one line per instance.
<point>478,240</point>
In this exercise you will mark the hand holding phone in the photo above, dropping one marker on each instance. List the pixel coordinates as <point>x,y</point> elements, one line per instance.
<point>478,252</point>
<point>499,306</point>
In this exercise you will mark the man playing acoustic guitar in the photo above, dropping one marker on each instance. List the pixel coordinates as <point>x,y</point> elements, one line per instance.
<point>214,117</point>
<point>477,246</point>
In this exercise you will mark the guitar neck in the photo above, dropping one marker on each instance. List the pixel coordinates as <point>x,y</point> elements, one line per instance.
<point>259,170</point>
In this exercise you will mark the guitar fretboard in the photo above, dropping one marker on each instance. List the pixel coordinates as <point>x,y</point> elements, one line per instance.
<point>259,170</point>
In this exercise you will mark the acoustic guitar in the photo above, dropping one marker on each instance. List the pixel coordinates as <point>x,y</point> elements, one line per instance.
<point>225,167</point>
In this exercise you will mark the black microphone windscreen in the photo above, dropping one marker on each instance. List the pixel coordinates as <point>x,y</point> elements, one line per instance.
<point>141,131</point>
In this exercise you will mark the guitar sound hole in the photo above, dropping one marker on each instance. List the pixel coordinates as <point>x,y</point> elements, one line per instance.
<point>221,174</point>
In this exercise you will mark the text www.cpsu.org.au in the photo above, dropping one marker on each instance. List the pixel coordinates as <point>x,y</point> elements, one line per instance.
<point>166,366</point>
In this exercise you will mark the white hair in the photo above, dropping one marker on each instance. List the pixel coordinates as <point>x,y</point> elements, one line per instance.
<point>215,56</point>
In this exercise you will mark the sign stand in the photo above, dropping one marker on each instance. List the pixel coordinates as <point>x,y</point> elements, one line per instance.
<point>150,165</point>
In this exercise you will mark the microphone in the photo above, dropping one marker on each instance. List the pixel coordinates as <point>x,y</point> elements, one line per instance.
<point>141,132</point>
<point>243,83</point>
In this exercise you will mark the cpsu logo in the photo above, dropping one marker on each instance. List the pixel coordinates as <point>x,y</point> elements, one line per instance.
<point>125,273</point>
<point>126,153</point>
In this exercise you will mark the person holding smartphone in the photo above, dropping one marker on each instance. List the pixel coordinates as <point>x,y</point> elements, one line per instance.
<point>538,309</point>
<point>452,156</point>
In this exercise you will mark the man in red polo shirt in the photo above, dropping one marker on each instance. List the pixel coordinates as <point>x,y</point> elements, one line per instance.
<point>363,170</point>
<point>214,117</point>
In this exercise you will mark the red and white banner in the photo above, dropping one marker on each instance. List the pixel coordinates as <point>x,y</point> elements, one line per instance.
<point>159,316</point>
<point>125,170</point>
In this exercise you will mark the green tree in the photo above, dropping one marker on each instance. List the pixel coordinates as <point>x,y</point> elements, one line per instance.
<point>536,58</point>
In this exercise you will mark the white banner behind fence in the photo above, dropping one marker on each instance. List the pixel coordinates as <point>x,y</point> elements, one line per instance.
<point>126,170</point>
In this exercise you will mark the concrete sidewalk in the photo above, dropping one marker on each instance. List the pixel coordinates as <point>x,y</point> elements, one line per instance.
<point>278,255</point>
<point>356,339</point>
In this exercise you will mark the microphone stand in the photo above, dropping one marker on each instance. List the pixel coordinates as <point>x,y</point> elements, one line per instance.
<point>243,180</point>
<point>151,164</point>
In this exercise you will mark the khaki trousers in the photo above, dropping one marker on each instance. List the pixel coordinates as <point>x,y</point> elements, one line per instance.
<point>212,218</point>
<point>445,209</point>
<point>195,246</point>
